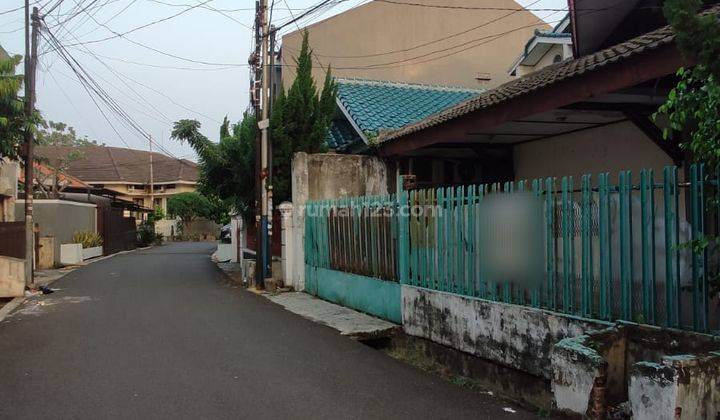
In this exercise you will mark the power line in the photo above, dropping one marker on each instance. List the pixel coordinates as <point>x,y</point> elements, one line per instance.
<point>155,22</point>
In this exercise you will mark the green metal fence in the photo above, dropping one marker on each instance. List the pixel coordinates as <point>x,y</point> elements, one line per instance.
<point>353,235</point>
<point>613,247</point>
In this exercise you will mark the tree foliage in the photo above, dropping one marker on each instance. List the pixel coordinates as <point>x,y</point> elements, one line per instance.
<point>227,168</point>
<point>12,118</point>
<point>693,105</point>
<point>188,206</point>
<point>51,133</point>
<point>300,120</point>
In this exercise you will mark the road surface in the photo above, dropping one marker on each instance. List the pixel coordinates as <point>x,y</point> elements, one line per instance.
<point>159,333</point>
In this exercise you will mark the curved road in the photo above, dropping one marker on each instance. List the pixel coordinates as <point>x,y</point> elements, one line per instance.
<point>159,334</point>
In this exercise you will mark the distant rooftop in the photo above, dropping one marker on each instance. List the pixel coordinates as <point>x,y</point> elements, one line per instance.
<point>115,164</point>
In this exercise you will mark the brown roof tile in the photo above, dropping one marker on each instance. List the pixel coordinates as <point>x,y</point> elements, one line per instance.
<point>114,164</point>
<point>544,77</point>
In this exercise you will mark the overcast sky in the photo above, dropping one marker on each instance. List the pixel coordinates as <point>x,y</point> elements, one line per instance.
<point>157,89</point>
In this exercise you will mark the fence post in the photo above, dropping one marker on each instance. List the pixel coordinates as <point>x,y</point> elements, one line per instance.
<point>626,276</point>
<point>699,254</point>
<point>606,291</point>
<point>647,218</point>
<point>402,221</point>
<point>672,268</point>
<point>550,242</point>
<point>586,258</point>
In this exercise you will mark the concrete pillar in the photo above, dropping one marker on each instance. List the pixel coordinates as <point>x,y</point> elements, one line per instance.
<point>237,238</point>
<point>287,243</point>
<point>299,198</point>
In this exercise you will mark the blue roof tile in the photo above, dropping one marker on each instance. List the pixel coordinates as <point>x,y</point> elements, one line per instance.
<point>379,105</point>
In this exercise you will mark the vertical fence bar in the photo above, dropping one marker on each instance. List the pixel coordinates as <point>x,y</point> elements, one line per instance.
<point>626,277</point>
<point>647,218</point>
<point>586,269</point>
<point>699,252</point>
<point>535,292</point>
<point>472,238</point>
<point>444,243</point>
<point>480,263</point>
<point>506,284</point>
<point>462,233</point>
<point>567,244</point>
<point>606,290</point>
<point>550,242</point>
<point>672,267</point>
<point>421,239</point>
<point>402,221</point>
<point>440,241</point>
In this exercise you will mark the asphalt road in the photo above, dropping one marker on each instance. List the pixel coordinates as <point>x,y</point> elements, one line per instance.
<point>160,334</point>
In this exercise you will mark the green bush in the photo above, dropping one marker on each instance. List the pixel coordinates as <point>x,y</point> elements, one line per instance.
<point>146,234</point>
<point>87,238</point>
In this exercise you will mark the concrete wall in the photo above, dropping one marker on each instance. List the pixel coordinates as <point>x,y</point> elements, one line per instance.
<point>8,190</point>
<point>660,373</point>
<point>61,219</point>
<point>12,276</point>
<point>516,336</point>
<point>167,227</point>
<point>591,151</point>
<point>328,176</point>
<point>678,387</point>
<point>378,27</point>
<point>200,230</point>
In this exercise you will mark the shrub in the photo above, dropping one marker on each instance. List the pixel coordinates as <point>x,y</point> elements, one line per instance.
<point>146,234</point>
<point>87,238</point>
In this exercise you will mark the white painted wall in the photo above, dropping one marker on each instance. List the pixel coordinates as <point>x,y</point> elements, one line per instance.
<point>516,336</point>
<point>611,148</point>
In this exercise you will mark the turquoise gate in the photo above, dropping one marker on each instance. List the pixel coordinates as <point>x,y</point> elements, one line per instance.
<point>350,254</point>
<point>613,247</point>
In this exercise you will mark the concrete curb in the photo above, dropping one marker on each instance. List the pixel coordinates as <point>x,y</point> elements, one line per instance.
<point>13,304</point>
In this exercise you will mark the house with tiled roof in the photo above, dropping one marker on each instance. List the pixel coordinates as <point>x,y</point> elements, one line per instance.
<point>544,48</point>
<point>367,107</point>
<point>587,114</point>
<point>126,172</point>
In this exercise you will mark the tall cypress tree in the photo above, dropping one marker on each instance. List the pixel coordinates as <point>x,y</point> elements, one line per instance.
<point>300,120</point>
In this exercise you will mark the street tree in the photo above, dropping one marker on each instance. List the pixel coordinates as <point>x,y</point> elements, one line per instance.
<point>188,206</point>
<point>51,133</point>
<point>227,168</point>
<point>12,118</point>
<point>300,120</point>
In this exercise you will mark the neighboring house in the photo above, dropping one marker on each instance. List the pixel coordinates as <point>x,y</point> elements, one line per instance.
<point>471,47</point>
<point>545,48</point>
<point>586,115</point>
<point>126,172</point>
<point>3,53</point>
<point>365,108</point>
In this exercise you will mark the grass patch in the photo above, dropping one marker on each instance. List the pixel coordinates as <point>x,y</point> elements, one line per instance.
<point>415,355</point>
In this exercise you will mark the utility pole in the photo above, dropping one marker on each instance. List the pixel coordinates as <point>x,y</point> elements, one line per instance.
<point>263,124</point>
<point>30,66</point>
<point>152,181</point>
<point>255,95</point>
